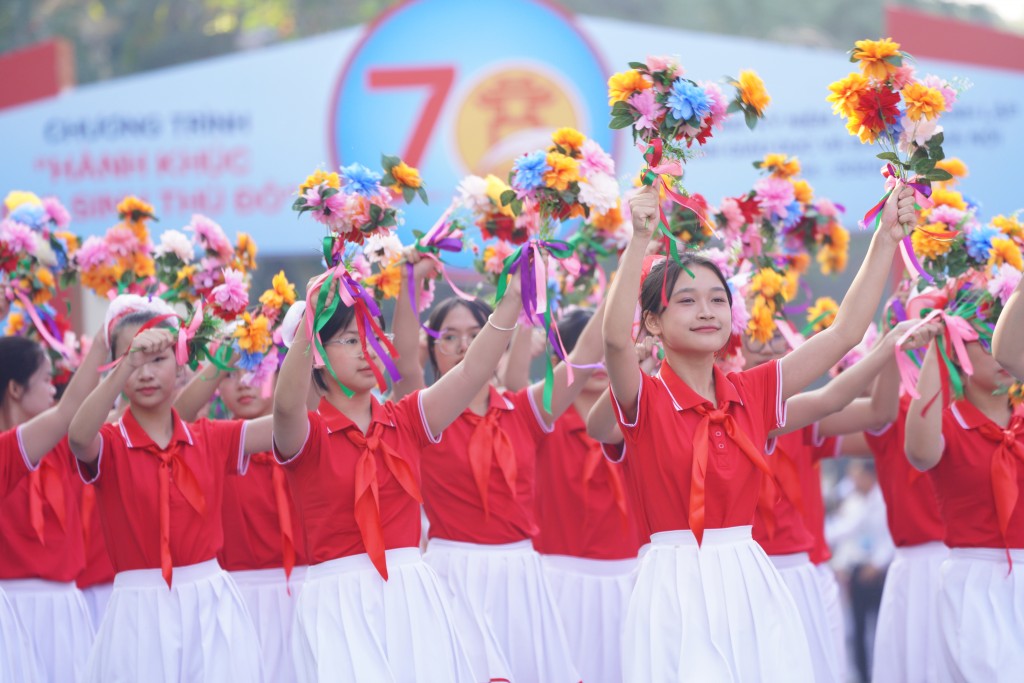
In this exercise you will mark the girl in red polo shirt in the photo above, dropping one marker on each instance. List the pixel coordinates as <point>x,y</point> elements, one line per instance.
<point>708,602</point>
<point>478,493</point>
<point>370,608</point>
<point>973,451</point>
<point>40,533</point>
<point>174,613</point>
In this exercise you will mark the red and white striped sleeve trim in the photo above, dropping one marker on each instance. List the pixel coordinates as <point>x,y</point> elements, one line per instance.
<point>24,453</point>
<point>435,439</point>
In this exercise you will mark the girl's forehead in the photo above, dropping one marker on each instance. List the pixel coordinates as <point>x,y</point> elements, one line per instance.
<point>702,279</point>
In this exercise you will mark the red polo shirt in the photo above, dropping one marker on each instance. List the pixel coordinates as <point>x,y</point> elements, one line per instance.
<point>127,480</point>
<point>98,568</point>
<point>14,463</point>
<point>911,506</point>
<point>662,442</point>
<point>582,506</point>
<point>256,509</point>
<point>322,477</point>
<point>814,503</point>
<point>967,485</point>
<point>492,457</point>
<point>779,524</point>
<point>41,533</point>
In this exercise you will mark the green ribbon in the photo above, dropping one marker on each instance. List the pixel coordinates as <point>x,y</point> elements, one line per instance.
<point>809,327</point>
<point>324,312</point>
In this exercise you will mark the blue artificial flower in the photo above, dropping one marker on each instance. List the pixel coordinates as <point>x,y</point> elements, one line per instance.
<point>247,361</point>
<point>793,215</point>
<point>895,129</point>
<point>361,180</point>
<point>972,203</point>
<point>979,242</point>
<point>28,214</point>
<point>688,100</point>
<point>528,171</point>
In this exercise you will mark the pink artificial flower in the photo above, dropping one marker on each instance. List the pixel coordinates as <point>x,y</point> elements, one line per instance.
<point>208,274</point>
<point>918,132</point>
<point>18,237</point>
<point>359,267</point>
<point>57,213</point>
<point>1003,283</point>
<point>496,263</point>
<point>655,64</point>
<point>734,220</point>
<point>211,236</point>
<point>774,195</point>
<point>121,241</point>
<point>734,362</point>
<point>826,208</point>
<point>721,259</point>
<point>529,219</point>
<point>232,296</point>
<point>719,105</point>
<point>594,160</point>
<point>92,253</point>
<point>902,76</point>
<point>740,314</point>
<point>947,215</point>
<point>651,111</point>
<point>425,296</point>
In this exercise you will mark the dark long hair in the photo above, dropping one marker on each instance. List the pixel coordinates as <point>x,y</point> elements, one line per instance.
<point>665,274</point>
<point>19,360</point>
<point>477,308</point>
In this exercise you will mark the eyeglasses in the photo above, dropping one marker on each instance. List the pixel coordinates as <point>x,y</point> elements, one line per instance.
<point>776,344</point>
<point>351,346</point>
<point>450,343</point>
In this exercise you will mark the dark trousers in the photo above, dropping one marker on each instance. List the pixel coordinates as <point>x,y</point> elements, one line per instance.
<point>865,599</point>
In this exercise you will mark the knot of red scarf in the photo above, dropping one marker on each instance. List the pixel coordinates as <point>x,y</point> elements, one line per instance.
<point>367,489</point>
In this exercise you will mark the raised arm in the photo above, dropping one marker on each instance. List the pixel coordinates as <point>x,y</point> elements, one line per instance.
<point>405,325</point>
<point>199,392</point>
<point>601,423</point>
<point>825,349</point>
<point>838,406</point>
<point>516,372</point>
<point>291,419</point>
<point>40,434</point>
<point>1008,340</point>
<point>587,351</point>
<point>923,436</point>
<point>445,399</point>
<point>619,355</point>
<point>83,434</point>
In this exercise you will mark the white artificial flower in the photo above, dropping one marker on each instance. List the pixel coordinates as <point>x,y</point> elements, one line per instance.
<point>177,243</point>
<point>600,192</point>
<point>473,194</point>
<point>383,248</point>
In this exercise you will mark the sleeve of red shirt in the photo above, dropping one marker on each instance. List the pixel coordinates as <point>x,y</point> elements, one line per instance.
<point>222,439</point>
<point>411,422</point>
<point>110,435</point>
<point>644,396</point>
<point>13,463</point>
<point>316,441</point>
<point>529,413</point>
<point>823,447</point>
<point>763,386</point>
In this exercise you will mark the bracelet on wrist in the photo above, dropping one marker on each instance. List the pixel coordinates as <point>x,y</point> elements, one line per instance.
<point>500,329</point>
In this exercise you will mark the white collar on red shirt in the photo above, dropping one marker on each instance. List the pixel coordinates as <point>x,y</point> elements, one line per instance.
<point>136,437</point>
<point>337,421</point>
<point>497,400</point>
<point>685,398</point>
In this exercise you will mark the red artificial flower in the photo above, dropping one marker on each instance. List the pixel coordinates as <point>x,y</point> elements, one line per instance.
<point>877,108</point>
<point>750,208</point>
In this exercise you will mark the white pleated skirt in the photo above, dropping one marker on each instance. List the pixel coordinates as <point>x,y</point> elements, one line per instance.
<point>504,605</point>
<point>718,612</point>
<point>352,626</point>
<point>271,604</point>
<point>592,597</point>
<point>981,615</point>
<point>58,625</point>
<point>829,587</point>
<point>907,641</point>
<point>96,599</point>
<point>18,662</point>
<point>197,630</point>
<point>802,580</point>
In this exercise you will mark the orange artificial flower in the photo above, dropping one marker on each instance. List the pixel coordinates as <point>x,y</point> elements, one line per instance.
<point>767,282</point>
<point>780,165</point>
<point>953,166</point>
<point>845,94</point>
<point>761,326</point>
<point>388,282</point>
<point>923,102</point>
<point>1005,250</point>
<point>926,242</point>
<point>952,198</point>
<point>873,56</point>
<point>822,313</point>
<point>318,177</point>
<point>622,85</point>
<point>406,176</point>
<point>568,138</point>
<point>802,191</point>
<point>564,171</point>
<point>752,91</point>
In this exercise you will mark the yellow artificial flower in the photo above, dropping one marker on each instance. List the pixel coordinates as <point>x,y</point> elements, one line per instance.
<point>822,313</point>
<point>564,170</point>
<point>802,191</point>
<point>133,205</point>
<point>844,94</point>
<point>138,229</point>
<point>254,334</point>
<point>923,102</point>
<point>16,198</point>
<point>780,165</point>
<point>245,252</point>
<point>857,129</point>
<point>767,282</point>
<point>622,85</point>
<point>798,263</point>
<point>927,245</point>
<point>70,239</point>
<point>568,138</point>
<point>609,221</point>
<point>1005,250</point>
<point>143,266</point>
<point>761,326</point>
<point>406,176</point>
<point>318,177</point>
<point>872,55</point>
<point>184,275</point>
<point>953,166</point>
<point>280,293</point>
<point>752,91</point>
<point>833,253</point>
<point>388,282</point>
<point>945,197</point>
<point>790,285</point>
<point>15,323</point>
<point>1009,225</point>
<point>1016,394</point>
<point>495,187</point>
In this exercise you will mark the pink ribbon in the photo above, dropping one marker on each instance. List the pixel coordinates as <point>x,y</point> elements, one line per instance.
<point>185,333</point>
<point>33,314</point>
<point>958,332</point>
